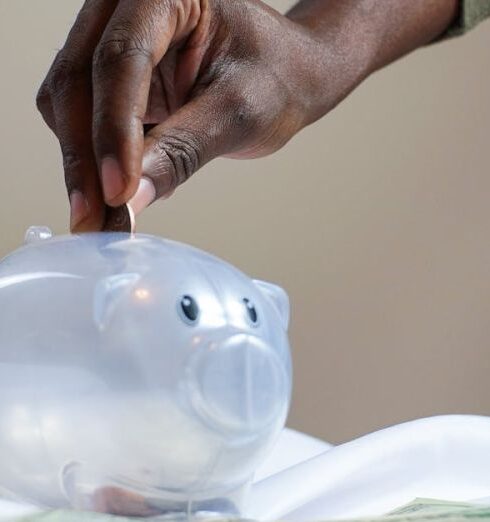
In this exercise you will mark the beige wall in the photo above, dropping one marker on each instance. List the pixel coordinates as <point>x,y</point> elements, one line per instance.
<point>375,221</point>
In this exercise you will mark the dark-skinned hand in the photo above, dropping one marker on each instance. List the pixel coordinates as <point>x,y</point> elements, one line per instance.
<point>206,78</point>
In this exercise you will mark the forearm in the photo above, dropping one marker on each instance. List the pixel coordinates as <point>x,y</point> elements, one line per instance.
<point>353,38</point>
<point>376,32</point>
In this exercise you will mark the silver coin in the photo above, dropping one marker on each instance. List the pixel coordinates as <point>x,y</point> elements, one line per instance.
<point>119,219</point>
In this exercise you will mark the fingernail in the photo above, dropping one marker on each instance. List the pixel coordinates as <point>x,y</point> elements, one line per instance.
<point>144,197</point>
<point>112,179</point>
<point>79,209</point>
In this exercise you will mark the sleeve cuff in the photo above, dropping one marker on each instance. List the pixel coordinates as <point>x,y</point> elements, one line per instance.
<point>471,13</point>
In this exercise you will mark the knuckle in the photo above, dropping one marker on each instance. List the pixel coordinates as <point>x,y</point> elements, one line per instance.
<point>43,99</point>
<point>63,74</point>
<point>72,160</point>
<point>180,155</point>
<point>122,45</point>
<point>45,107</point>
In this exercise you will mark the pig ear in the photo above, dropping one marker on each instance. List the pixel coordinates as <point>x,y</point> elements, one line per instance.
<point>279,299</point>
<point>108,293</point>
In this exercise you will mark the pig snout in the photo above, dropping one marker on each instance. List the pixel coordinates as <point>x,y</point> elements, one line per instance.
<point>238,385</point>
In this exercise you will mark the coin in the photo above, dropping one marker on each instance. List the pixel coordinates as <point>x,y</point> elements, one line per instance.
<point>116,501</point>
<point>119,219</point>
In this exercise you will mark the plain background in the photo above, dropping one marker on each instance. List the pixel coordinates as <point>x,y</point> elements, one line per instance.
<point>375,221</point>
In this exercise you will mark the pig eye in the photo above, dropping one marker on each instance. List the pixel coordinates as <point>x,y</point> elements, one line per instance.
<point>189,309</point>
<point>251,311</point>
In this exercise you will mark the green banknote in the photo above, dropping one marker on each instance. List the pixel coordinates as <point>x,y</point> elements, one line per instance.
<point>429,509</point>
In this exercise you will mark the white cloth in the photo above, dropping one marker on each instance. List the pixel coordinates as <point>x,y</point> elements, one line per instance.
<point>445,458</point>
<point>291,448</point>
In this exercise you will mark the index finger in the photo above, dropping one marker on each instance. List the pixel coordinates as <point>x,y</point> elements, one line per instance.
<point>134,42</point>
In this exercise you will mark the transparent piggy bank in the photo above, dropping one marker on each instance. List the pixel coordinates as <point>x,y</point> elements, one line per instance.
<point>138,376</point>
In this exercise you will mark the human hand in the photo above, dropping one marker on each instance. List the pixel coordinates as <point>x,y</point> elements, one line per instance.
<point>208,78</point>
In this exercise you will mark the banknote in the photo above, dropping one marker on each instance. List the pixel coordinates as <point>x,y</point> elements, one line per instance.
<point>426,506</point>
<point>421,510</point>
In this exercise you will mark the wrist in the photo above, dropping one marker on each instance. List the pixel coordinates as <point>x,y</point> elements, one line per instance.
<point>341,54</point>
<point>357,37</point>
<point>375,32</point>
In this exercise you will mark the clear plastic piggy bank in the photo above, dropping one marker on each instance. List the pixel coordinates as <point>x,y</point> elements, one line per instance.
<point>138,376</point>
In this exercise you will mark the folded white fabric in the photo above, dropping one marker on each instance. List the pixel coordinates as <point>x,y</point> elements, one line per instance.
<point>445,458</point>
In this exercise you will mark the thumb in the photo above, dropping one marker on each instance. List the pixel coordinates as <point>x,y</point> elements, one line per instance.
<point>203,129</point>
